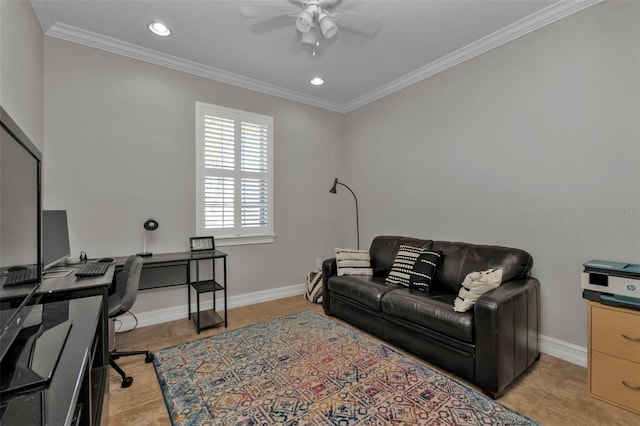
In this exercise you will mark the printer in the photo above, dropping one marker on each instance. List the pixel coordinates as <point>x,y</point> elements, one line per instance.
<point>612,283</point>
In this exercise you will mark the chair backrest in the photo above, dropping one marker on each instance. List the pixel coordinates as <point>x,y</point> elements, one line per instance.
<point>127,282</point>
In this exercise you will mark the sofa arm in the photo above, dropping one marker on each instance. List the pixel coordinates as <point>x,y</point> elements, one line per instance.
<point>507,325</point>
<point>329,269</point>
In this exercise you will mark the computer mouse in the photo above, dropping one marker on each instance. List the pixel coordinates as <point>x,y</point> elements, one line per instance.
<point>16,268</point>
<point>105,259</point>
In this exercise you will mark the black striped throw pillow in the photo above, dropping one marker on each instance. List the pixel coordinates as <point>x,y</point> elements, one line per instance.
<point>424,270</point>
<point>402,267</point>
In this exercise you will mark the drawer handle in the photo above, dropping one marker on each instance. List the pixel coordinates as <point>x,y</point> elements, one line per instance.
<point>633,339</point>
<point>634,387</point>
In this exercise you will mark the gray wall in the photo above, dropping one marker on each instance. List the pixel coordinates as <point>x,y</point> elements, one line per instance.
<point>534,144</point>
<point>21,47</point>
<point>121,148</point>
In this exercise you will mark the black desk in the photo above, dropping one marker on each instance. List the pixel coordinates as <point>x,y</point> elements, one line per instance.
<point>70,287</point>
<point>93,387</point>
<point>174,269</point>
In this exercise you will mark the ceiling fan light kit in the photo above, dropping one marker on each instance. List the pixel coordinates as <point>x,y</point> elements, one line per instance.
<point>313,17</point>
<point>313,12</point>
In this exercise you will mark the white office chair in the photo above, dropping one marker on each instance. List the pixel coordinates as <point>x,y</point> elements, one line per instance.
<point>127,282</point>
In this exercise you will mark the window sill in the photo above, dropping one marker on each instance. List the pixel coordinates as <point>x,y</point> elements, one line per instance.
<point>241,240</point>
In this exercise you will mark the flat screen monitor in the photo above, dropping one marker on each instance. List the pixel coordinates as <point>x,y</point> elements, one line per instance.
<point>20,221</point>
<point>19,197</point>
<point>55,238</point>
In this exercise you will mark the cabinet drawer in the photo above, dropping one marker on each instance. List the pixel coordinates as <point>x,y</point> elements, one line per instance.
<point>608,330</point>
<point>607,374</point>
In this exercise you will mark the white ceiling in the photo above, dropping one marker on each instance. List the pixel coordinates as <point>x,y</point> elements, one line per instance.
<point>210,38</point>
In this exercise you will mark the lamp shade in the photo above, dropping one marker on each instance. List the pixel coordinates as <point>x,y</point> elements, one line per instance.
<point>309,38</point>
<point>327,26</point>
<point>304,21</point>
<point>333,188</point>
<point>151,224</point>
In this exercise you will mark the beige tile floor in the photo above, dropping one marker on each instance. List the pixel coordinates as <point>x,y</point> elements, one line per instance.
<point>552,392</point>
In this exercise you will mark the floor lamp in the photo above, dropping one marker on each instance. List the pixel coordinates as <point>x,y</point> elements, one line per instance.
<point>333,191</point>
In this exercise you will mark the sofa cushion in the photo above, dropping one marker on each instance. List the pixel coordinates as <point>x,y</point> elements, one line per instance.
<point>353,262</point>
<point>430,310</point>
<point>366,291</point>
<point>384,248</point>
<point>424,269</point>
<point>460,259</point>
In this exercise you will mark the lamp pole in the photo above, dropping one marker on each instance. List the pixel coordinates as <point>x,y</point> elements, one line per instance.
<point>333,191</point>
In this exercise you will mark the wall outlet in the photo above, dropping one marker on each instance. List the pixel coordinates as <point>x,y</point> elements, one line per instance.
<point>318,263</point>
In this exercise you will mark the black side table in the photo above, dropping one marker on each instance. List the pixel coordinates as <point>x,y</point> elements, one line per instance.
<point>209,318</point>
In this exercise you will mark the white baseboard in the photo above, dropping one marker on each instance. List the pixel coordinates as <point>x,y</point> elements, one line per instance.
<point>179,312</point>
<point>566,351</point>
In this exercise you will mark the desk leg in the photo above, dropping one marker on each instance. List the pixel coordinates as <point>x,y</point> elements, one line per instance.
<point>105,327</point>
<point>213,270</point>
<point>189,288</point>
<point>225,290</point>
<point>198,313</point>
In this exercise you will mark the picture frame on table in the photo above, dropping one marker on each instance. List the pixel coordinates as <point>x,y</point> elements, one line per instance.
<point>198,244</point>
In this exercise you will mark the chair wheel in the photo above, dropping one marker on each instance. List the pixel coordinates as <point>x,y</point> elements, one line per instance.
<point>127,382</point>
<point>148,358</point>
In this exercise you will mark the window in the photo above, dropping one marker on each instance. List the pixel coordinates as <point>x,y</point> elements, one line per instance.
<point>234,173</point>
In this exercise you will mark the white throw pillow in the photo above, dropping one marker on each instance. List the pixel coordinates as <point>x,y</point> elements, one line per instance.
<point>353,262</point>
<point>475,285</point>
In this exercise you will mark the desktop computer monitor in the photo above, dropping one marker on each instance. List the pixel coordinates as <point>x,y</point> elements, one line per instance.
<point>55,238</point>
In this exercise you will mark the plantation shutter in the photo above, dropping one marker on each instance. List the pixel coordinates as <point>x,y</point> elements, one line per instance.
<point>219,154</point>
<point>254,191</point>
<point>234,178</point>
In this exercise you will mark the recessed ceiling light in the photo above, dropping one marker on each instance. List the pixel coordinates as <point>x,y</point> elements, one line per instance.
<point>159,28</point>
<point>317,81</point>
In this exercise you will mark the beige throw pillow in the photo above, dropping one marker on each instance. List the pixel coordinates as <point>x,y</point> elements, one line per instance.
<point>475,285</point>
<point>353,262</point>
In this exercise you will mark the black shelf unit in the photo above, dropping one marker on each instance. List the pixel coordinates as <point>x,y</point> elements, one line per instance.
<point>209,318</point>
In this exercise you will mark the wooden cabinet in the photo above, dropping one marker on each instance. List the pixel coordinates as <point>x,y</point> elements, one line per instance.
<point>613,373</point>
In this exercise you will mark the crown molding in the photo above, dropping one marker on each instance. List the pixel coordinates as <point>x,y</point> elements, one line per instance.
<point>112,45</point>
<point>522,27</point>
<point>519,28</point>
<point>43,14</point>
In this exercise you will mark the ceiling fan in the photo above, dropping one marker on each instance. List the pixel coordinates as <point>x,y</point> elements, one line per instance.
<point>314,19</point>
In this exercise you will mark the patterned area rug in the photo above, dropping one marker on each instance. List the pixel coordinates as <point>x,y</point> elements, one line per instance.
<point>306,369</point>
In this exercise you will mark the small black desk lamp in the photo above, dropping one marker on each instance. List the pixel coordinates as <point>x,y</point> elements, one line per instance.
<point>149,225</point>
<point>333,191</point>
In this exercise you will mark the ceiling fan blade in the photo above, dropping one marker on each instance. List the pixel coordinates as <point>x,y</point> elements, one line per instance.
<point>358,23</point>
<point>353,39</point>
<point>265,25</point>
<point>265,11</point>
<point>255,21</point>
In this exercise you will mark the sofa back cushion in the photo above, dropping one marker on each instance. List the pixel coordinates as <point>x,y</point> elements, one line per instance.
<point>384,249</point>
<point>459,259</point>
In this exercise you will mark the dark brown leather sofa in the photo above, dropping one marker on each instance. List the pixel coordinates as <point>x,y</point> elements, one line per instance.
<point>489,345</point>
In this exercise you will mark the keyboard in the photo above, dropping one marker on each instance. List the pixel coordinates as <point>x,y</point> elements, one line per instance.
<point>93,269</point>
<point>22,276</point>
